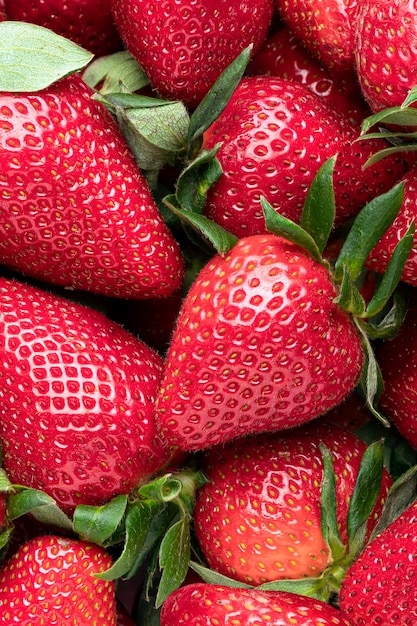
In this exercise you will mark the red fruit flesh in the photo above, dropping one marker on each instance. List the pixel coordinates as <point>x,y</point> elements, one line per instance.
<point>259,345</point>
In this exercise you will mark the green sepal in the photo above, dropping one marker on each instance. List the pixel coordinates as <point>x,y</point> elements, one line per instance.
<point>283,227</point>
<point>387,152</point>
<point>115,73</point>
<point>220,239</point>
<point>392,275</point>
<point>349,297</point>
<point>5,484</point>
<point>40,505</point>
<point>328,514</point>
<point>216,100</point>
<point>371,383</point>
<point>387,327</point>
<point>319,208</point>
<point>33,57</point>
<point>398,116</point>
<point>98,523</point>
<point>319,588</point>
<point>4,539</point>
<point>174,558</point>
<point>367,229</point>
<point>196,179</point>
<point>214,578</point>
<point>365,495</point>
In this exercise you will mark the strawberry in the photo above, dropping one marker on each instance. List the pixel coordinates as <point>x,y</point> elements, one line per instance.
<point>205,605</point>
<point>385,51</point>
<point>81,21</point>
<point>53,580</point>
<point>258,518</point>
<point>74,208</point>
<point>183,47</point>
<point>259,345</point>
<point>379,588</point>
<point>76,401</point>
<point>283,55</point>
<point>326,29</point>
<point>275,134</point>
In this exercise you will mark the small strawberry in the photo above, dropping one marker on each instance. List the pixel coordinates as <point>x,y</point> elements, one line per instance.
<point>76,399</point>
<point>283,55</point>
<point>205,605</point>
<point>53,580</point>
<point>274,135</point>
<point>183,47</point>
<point>74,208</point>
<point>258,518</point>
<point>384,48</point>
<point>379,588</point>
<point>81,21</point>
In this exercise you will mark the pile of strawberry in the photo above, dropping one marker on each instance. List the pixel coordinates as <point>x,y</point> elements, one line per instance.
<point>208,312</point>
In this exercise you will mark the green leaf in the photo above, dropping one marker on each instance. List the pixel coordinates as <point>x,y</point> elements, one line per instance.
<point>350,298</point>
<point>399,116</point>
<point>283,227</point>
<point>115,73</point>
<point>386,152</point>
<point>319,208</point>
<point>97,523</point>
<point>371,382</point>
<point>365,495</point>
<point>216,100</point>
<point>388,326</point>
<point>40,505</point>
<point>196,179</point>
<point>5,484</point>
<point>329,525</point>
<point>33,57</point>
<point>137,522</point>
<point>367,229</point>
<point>214,578</point>
<point>310,587</point>
<point>221,240</point>
<point>174,558</point>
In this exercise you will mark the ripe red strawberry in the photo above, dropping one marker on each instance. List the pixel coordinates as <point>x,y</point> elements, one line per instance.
<point>283,55</point>
<point>52,580</point>
<point>327,29</point>
<point>183,47</point>
<point>385,56</point>
<point>205,605</point>
<point>82,21</point>
<point>259,345</point>
<point>76,399</point>
<point>257,519</point>
<point>379,588</point>
<point>275,134</point>
<point>74,208</point>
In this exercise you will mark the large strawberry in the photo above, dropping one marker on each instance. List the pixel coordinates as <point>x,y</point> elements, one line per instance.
<point>202,604</point>
<point>82,21</point>
<point>385,46</point>
<point>53,580</point>
<point>274,136</point>
<point>76,399</point>
<point>74,208</point>
<point>379,587</point>
<point>258,518</point>
<point>184,46</point>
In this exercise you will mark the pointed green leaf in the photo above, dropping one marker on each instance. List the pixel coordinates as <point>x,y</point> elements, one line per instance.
<point>386,152</point>
<point>216,100</point>
<point>40,505</point>
<point>350,298</point>
<point>33,57</point>
<point>5,484</point>
<point>392,115</point>
<point>329,525</point>
<point>389,325</point>
<point>367,229</point>
<point>214,578</point>
<point>174,558</point>
<point>115,73</point>
<point>283,227</point>
<point>98,523</point>
<point>365,495</point>
<point>4,537</point>
<point>311,587</point>
<point>196,179</point>
<point>371,381</point>
<point>319,208</point>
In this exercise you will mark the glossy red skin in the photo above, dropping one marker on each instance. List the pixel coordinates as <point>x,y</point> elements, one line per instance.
<point>259,345</point>
<point>202,604</point>
<point>380,588</point>
<point>327,29</point>
<point>54,579</point>
<point>275,135</point>
<point>76,400</point>
<point>398,362</point>
<point>74,209</point>
<point>86,23</point>
<point>385,51</point>
<point>257,519</point>
<point>184,46</point>
<point>283,55</point>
